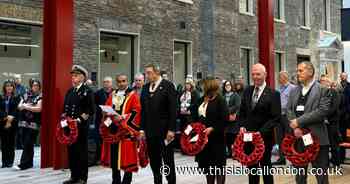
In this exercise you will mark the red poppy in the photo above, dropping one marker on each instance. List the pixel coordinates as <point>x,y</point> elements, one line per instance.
<point>255,156</point>
<point>300,158</point>
<point>188,144</point>
<point>72,137</point>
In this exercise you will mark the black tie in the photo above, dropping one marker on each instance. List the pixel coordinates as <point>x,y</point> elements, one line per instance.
<point>152,86</point>
<point>255,97</point>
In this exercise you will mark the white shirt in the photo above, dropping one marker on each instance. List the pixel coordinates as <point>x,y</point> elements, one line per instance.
<point>156,85</point>
<point>202,110</point>
<point>307,87</point>
<point>121,92</point>
<point>261,89</point>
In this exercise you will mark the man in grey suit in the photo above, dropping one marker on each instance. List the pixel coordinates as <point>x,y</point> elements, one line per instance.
<point>307,108</point>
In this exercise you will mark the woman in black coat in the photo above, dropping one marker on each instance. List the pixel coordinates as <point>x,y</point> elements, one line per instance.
<point>8,122</point>
<point>212,111</point>
<point>233,102</point>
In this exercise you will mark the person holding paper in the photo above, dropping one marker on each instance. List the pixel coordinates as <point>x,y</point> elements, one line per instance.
<point>308,107</point>
<point>79,105</point>
<point>123,155</point>
<point>212,111</point>
<point>158,117</point>
<point>260,111</point>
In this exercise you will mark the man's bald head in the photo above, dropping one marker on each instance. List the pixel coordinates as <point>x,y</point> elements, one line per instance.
<point>258,74</point>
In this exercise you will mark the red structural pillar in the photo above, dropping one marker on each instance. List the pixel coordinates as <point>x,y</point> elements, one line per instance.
<point>266,38</point>
<point>57,62</point>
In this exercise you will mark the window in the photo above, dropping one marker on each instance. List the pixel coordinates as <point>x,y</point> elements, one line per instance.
<point>246,6</point>
<point>279,9</point>
<point>305,13</point>
<point>20,51</point>
<point>182,61</point>
<point>326,15</point>
<point>117,55</point>
<point>279,66</point>
<point>246,62</point>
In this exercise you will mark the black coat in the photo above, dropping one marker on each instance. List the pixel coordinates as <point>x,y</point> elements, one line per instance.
<point>233,108</point>
<point>158,112</point>
<point>213,153</point>
<point>266,114</point>
<point>77,103</point>
<point>13,109</point>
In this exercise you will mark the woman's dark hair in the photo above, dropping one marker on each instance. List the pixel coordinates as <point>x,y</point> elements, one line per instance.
<point>9,82</point>
<point>238,84</point>
<point>34,81</point>
<point>224,84</point>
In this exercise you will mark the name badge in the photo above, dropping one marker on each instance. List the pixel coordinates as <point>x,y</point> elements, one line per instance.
<point>188,130</point>
<point>108,122</point>
<point>64,123</point>
<point>307,139</point>
<point>247,137</point>
<point>300,108</point>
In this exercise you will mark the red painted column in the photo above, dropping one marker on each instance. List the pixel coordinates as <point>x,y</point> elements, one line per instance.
<point>57,62</point>
<point>266,38</point>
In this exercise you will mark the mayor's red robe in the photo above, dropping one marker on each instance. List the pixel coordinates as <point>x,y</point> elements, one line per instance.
<point>127,149</point>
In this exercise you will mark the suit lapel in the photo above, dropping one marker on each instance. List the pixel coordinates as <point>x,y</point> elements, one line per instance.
<point>159,88</point>
<point>311,97</point>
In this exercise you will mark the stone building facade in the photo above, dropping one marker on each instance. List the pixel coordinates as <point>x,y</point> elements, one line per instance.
<point>220,35</point>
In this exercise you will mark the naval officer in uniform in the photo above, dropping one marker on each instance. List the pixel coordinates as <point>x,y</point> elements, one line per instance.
<point>79,105</point>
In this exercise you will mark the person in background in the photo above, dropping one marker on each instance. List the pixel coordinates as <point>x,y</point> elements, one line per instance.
<point>101,97</point>
<point>344,124</point>
<point>213,113</point>
<point>139,81</point>
<point>92,85</point>
<point>239,88</point>
<point>233,102</point>
<point>20,92</point>
<point>285,89</point>
<point>30,106</point>
<point>332,121</point>
<point>187,100</point>
<point>8,122</point>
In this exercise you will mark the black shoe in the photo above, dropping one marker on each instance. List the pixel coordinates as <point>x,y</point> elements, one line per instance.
<point>279,162</point>
<point>70,181</point>
<point>80,182</point>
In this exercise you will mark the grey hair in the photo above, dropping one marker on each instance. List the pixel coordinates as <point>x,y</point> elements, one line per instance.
<point>309,66</point>
<point>108,78</point>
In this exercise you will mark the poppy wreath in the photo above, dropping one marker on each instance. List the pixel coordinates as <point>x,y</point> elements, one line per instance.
<point>300,158</point>
<point>72,137</point>
<point>255,156</point>
<point>143,153</point>
<point>194,147</point>
<point>110,137</point>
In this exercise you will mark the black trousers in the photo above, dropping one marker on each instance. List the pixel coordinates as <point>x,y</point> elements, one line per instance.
<point>322,161</point>
<point>264,162</point>
<point>78,154</point>
<point>29,138</point>
<point>116,175</point>
<point>280,133</point>
<point>159,153</point>
<point>8,146</point>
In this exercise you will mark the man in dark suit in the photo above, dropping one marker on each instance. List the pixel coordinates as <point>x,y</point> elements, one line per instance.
<point>260,111</point>
<point>308,107</point>
<point>79,105</point>
<point>158,117</point>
